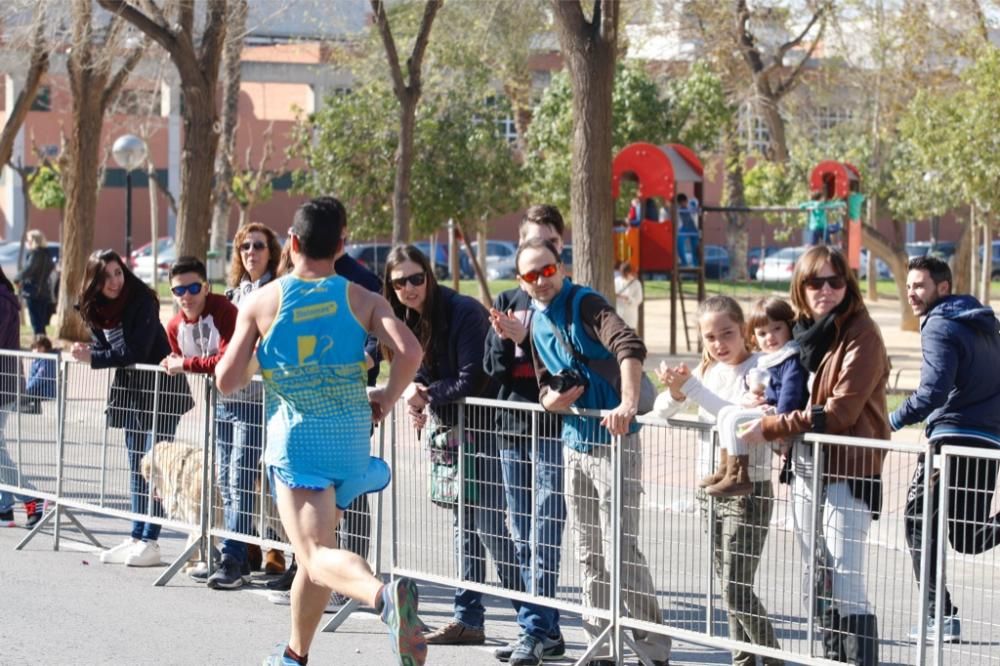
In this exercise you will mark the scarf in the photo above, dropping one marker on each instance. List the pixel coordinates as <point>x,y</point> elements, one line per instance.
<point>108,313</point>
<point>815,337</point>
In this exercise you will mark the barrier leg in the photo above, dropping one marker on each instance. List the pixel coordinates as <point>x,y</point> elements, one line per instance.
<point>179,562</point>
<point>79,526</point>
<point>598,643</point>
<point>36,529</point>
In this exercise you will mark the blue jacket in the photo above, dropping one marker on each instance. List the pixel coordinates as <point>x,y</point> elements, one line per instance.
<point>588,307</point>
<point>959,392</point>
<point>42,378</point>
<point>788,387</point>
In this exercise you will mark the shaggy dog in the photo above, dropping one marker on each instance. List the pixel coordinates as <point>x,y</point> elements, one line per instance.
<point>175,478</point>
<point>174,471</point>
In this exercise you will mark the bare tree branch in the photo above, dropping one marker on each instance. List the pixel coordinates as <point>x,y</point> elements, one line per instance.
<point>37,67</point>
<point>114,87</point>
<point>382,21</point>
<point>416,59</point>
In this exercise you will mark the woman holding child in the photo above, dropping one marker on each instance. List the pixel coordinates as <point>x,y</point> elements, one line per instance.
<point>842,349</point>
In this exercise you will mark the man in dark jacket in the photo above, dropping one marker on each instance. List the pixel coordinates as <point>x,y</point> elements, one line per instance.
<point>959,400</point>
<point>508,359</point>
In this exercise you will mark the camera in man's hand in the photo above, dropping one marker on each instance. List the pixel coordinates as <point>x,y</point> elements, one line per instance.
<point>565,380</point>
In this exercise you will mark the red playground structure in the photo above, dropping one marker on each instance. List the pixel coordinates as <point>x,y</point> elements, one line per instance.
<point>841,180</point>
<point>649,247</point>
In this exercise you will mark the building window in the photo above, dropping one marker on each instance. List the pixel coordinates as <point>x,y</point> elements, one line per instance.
<point>755,132</point>
<point>43,99</point>
<point>828,117</point>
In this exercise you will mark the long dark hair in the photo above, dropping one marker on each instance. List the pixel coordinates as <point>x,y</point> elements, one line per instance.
<point>93,281</point>
<point>422,324</point>
<point>236,268</point>
<point>4,282</point>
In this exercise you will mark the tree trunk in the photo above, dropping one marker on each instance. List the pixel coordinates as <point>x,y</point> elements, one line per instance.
<point>404,167</point>
<point>37,68</point>
<point>778,143</point>
<point>83,153</point>
<point>894,255</point>
<point>963,281</point>
<point>590,50</point>
<point>197,171</point>
<point>987,261</point>
<point>230,115</point>
<point>736,237</point>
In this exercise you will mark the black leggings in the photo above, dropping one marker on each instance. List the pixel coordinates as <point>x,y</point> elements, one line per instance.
<point>971,529</point>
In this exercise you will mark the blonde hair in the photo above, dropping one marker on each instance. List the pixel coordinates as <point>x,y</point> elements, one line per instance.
<point>720,305</point>
<point>36,238</point>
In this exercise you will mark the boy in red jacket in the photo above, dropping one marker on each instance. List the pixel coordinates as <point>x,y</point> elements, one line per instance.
<point>198,337</point>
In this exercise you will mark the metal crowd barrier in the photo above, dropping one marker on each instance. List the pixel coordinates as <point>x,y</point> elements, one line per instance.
<point>652,520</point>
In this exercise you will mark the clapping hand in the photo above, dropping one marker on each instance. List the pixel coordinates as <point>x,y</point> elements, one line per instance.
<point>674,378</point>
<point>507,326</point>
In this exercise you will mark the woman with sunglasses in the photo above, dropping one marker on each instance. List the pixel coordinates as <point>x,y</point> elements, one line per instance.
<point>124,319</point>
<point>452,331</point>
<point>842,349</point>
<point>256,257</point>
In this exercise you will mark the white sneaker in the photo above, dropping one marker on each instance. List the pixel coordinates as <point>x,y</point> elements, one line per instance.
<point>284,598</point>
<point>144,554</point>
<point>118,554</point>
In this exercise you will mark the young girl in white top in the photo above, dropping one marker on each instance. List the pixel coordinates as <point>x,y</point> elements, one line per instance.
<point>778,384</point>
<point>740,525</point>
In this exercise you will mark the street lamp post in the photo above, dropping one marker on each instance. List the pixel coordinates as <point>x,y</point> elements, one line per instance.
<point>130,152</point>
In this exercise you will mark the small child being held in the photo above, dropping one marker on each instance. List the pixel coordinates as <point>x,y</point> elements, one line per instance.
<point>778,384</point>
<point>41,376</point>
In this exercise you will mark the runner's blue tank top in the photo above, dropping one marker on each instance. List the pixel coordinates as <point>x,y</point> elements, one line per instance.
<point>312,361</point>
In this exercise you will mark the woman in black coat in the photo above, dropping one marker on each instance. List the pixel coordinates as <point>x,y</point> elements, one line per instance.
<point>35,282</point>
<point>124,319</point>
<point>452,332</point>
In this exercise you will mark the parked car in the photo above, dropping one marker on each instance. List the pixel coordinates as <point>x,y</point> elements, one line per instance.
<point>779,266</point>
<point>370,255</point>
<point>440,260</point>
<point>716,262</point>
<point>496,251</point>
<point>881,268</point>
<point>755,255</point>
<point>995,268</point>
<point>141,259</point>
<point>943,250</point>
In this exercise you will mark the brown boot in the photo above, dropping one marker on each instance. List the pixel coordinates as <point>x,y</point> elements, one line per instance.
<point>736,481</point>
<point>719,474</point>
<point>254,557</point>
<point>274,562</point>
<point>456,633</point>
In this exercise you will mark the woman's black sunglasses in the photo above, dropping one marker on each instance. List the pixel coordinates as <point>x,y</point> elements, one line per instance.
<point>416,280</point>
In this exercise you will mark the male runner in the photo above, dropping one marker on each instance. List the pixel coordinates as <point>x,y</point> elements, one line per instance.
<point>311,325</point>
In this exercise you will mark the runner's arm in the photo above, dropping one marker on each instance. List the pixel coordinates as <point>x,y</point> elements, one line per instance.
<point>405,349</point>
<point>231,374</point>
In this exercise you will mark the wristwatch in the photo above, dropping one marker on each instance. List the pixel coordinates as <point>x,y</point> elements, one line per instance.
<point>818,418</point>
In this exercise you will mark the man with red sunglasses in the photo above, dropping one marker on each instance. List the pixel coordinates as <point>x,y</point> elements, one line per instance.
<point>586,356</point>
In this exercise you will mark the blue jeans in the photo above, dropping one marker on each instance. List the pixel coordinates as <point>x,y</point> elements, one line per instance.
<point>237,450</point>
<point>137,443</point>
<point>8,471</point>
<point>550,519</point>
<point>691,239</point>
<point>485,529</point>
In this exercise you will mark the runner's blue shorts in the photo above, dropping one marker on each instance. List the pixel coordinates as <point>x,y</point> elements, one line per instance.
<point>373,480</point>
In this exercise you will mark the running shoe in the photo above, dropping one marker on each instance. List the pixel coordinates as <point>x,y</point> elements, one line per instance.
<point>399,612</point>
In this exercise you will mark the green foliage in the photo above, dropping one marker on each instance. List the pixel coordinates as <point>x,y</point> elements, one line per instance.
<point>698,108</point>
<point>348,147</point>
<point>252,185</point>
<point>949,153</point>
<point>46,189</point>
<point>692,112</point>
<point>464,168</point>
